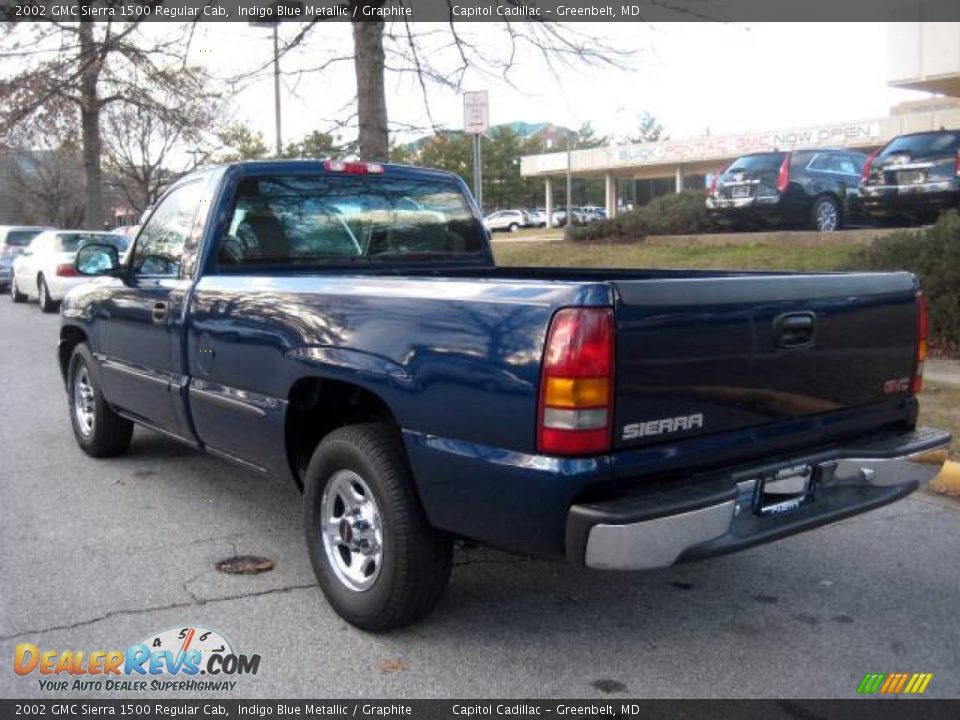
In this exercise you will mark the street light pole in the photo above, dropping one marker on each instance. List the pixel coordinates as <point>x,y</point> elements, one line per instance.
<point>276,85</point>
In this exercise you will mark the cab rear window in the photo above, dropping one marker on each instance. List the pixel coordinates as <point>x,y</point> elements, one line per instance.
<point>348,219</point>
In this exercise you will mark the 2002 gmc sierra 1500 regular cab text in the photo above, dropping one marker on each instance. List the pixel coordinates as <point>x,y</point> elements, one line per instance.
<point>343,325</point>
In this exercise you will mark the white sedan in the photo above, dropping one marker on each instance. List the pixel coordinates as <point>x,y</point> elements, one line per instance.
<point>45,268</point>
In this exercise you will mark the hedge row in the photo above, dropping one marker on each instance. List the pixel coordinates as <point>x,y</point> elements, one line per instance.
<point>675,214</point>
<point>933,255</point>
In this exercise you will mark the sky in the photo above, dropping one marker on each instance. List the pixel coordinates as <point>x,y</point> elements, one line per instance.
<point>694,77</point>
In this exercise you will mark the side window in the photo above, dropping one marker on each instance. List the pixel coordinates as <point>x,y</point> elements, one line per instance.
<point>821,162</point>
<point>159,247</point>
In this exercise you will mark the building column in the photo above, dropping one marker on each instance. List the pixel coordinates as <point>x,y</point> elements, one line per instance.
<point>548,200</point>
<point>610,191</point>
<point>679,179</point>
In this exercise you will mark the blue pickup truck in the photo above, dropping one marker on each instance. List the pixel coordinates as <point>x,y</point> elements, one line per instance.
<point>342,325</point>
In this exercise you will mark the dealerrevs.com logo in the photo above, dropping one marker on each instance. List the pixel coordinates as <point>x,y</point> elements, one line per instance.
<point>185,659</point>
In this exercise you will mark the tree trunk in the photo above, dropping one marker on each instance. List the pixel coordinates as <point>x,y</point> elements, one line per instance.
<point>90,125</point>
<point>368,60</point>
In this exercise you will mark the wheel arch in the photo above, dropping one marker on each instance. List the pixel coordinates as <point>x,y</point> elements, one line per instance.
<point>317,405</point>
<point>70,337</point>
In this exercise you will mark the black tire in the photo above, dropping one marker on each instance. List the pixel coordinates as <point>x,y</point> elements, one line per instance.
<point>513,227</point>
<point>110,434</point>
<point>414,564</point>
<point>15,294</point>
<point>825,214</point>
<point>43,294</point>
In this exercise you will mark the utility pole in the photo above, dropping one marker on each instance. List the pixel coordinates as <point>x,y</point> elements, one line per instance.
<point>569,182</point>
<point>274,25</point>
<point>276,86</point>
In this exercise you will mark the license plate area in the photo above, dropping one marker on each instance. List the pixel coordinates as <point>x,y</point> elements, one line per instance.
<point>740,191</point>
<point>784,491</point>
<point>909,177</point>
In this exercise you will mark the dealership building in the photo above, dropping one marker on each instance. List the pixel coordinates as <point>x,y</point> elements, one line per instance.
<point>922,56</point>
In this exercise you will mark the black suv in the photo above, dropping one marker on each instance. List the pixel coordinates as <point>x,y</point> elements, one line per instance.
<point>803,188</point>
<point>913,176</point>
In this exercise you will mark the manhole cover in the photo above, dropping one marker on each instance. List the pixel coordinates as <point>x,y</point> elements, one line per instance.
<point>245,565</point>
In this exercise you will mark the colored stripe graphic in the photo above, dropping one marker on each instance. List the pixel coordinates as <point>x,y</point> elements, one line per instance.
<point>871,683</point>
<point>894,683</point>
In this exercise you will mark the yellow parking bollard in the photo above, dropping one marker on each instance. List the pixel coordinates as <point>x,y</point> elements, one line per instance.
<point>948,481</point>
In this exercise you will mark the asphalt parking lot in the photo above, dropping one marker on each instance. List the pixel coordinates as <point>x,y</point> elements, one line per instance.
<point>100,554</point>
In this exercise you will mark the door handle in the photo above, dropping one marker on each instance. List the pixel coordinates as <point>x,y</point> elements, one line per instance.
<point>793,331</point>
<point>159,312</point>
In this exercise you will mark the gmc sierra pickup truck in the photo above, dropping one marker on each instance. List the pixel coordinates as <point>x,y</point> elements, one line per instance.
<point>343,325</point>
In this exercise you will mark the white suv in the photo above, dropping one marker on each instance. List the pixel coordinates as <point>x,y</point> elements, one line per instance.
<point>511,220</point>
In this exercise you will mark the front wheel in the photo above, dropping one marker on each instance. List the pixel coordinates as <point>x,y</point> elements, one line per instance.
<point>378,561</point>
<point>15,294</point>
<point>825,214</point>
<point>99,430</point>
<point>513,227</point>
<point>47,304</point>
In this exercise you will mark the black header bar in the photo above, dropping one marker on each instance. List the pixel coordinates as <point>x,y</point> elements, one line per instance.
<point>479,10</point>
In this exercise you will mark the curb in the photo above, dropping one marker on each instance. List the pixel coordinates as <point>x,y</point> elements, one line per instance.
<point>948,481</point>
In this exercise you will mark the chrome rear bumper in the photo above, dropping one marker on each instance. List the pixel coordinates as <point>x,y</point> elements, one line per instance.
<point>718,515</point>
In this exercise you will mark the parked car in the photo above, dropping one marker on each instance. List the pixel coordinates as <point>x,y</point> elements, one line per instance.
<point>559,218</point>
<point>913,176</point>
<point>510,220</point>
<point>13,240</point>
<point>621,419</point>
<point>537,217</point>
<point>818,189</point>
<point>45,267</point>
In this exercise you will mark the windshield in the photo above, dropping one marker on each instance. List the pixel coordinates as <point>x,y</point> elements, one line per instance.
<point>924,146</point>
<point>71,242</point>
<point>319,220</point>
<point>756,163</point>
<point>21,238</point>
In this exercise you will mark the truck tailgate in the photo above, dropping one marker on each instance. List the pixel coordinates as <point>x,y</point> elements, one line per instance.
<point>710,354</point>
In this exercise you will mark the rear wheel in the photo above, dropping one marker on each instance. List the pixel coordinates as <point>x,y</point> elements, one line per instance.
<point>99,430</point>
<point>825,214</point>
<point>46,303</point>
<point>15,294</point>
<point>378,561</point>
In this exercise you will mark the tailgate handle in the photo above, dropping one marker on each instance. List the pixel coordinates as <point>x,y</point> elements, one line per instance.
<point>794,330</point>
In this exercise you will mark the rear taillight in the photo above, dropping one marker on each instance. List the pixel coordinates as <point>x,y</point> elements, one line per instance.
<point>956,164</point>
<point>923,330</point>
<point>865,173</point>
<point>576,385</point>
<point>67,270</point>
<point>353,168</point>
<point>783,176</point>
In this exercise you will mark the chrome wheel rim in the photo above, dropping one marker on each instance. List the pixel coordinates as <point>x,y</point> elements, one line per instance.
<point>352,530</point>
<point>826,216</point>
<point>84,403</point>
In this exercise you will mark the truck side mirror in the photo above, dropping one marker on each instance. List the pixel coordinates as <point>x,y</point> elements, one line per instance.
<point>97,259</point>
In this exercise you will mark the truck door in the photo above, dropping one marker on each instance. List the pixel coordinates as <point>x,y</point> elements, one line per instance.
<point>142,317</point>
